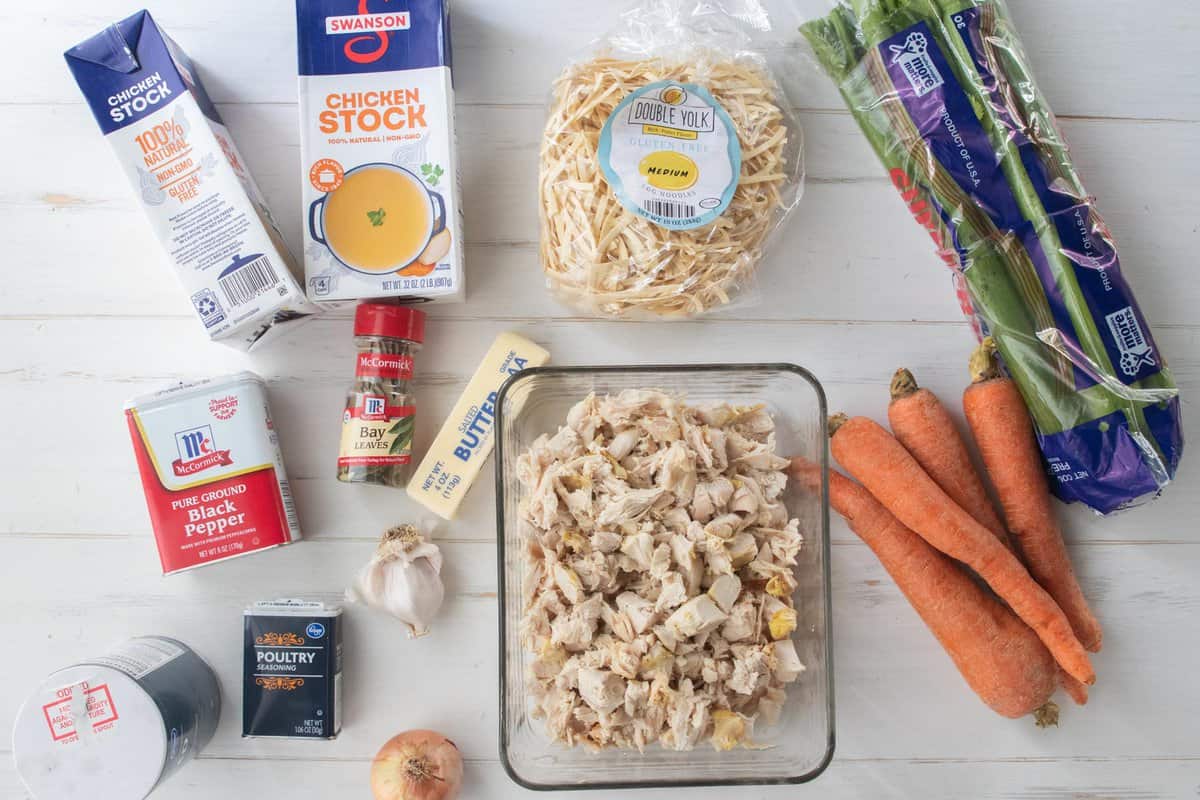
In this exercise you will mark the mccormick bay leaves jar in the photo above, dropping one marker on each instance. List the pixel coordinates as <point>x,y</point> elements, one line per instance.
<point>379,418</point>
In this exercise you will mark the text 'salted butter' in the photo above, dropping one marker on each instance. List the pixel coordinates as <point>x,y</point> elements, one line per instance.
<point>453,461</point>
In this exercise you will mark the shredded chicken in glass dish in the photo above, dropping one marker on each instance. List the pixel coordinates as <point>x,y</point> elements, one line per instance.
<point>659,573</point>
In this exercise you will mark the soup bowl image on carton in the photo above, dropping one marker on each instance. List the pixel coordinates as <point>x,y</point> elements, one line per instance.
<point>379,169</point>
<point>382,219</point>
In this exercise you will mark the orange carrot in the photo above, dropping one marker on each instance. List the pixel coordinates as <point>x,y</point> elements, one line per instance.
<point>924,427</point>
<point>1002,428</point>
<point>1077,690</point>
<point>885,468</point>
<point>1000,658</point>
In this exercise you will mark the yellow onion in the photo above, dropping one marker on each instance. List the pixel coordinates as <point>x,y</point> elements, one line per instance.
<point>417,765</point>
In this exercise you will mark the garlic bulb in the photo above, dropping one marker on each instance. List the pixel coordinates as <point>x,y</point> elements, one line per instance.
<point>403,578</point>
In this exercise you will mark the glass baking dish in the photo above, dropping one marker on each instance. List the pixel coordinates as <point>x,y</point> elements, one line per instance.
<point>796,750</point>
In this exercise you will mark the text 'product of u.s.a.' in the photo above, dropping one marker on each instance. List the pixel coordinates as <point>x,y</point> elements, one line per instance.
<point>944,92</point>
<point>115,727</point>
<point>190,180</point>
<point>211,470</point>
<point>379,173</point>
<point>292,670</point>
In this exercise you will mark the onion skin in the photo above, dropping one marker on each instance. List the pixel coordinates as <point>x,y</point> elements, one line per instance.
<point>417,765</point>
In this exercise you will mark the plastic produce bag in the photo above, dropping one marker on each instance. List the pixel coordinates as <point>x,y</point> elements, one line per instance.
<point>943,91</point>
<point>669,158</point>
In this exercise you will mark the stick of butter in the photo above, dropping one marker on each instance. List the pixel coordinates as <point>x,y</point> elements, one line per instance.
<point>446,473</point>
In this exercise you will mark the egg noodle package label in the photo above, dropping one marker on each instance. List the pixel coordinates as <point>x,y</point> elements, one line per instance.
<point>669,158</point>
<point>671,155</point>
<point>190,180</point>
<point>379,172</point>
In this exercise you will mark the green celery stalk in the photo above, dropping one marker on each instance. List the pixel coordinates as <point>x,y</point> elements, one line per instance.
<point>1029,108</point>
<point>1010,299</point>
<point>1004,286</point>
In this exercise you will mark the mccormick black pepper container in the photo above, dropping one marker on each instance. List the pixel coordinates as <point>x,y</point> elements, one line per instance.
<point>292,670</point>
<point>380,414</point>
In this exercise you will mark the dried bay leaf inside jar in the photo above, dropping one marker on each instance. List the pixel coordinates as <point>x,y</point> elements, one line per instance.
<point>380,415</point>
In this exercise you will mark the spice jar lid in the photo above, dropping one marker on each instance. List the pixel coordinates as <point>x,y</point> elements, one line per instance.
<point>395,322</point>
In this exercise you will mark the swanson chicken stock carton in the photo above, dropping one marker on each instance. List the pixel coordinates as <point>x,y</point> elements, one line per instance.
<point>190,180</point>
<point>379,173</point>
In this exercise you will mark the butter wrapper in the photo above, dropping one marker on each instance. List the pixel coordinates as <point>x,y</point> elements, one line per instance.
<point>463,445</point>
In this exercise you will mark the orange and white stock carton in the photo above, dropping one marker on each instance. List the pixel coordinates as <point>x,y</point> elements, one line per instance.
<point>379,171</point>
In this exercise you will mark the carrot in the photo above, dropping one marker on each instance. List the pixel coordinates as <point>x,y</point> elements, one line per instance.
<point>885,468</point>
<point>924,427</point>
<point>1077,690</point>
<point>1002,428</point>
<point>999,657</point>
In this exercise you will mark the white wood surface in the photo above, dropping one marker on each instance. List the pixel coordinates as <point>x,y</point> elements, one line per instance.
<point>89,316</point>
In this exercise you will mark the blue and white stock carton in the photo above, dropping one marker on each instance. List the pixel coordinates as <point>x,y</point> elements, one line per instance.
<point>191,181</point>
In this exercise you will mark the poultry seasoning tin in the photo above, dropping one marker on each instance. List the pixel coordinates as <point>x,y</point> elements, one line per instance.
<point>292,670</point>
<point>115,727</point>
<point>212,471</point>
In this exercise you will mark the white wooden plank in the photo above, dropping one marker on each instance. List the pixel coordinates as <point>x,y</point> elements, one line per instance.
<point>1124,779</point>
<point>898,695</point>
<point>83,371</point>
<point>1121,779</point>
<point>75,227</point>
<point>507,54</point>
<point>92,317</point>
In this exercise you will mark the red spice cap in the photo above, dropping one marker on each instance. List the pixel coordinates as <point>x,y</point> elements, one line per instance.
<point>396,322</point>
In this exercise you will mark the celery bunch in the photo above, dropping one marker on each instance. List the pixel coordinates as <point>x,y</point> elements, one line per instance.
<point>1030,247</point>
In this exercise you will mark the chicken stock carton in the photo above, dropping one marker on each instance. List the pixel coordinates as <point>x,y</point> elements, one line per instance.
<point>379,171</point>
<point>190,180</point>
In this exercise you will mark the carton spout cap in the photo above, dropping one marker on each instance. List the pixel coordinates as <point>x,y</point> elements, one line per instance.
<point>115,47</point>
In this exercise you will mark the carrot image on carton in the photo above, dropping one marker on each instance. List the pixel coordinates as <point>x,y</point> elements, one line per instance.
<point>380,178</point>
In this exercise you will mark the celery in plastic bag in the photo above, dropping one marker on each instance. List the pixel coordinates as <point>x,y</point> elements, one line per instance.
<point>943,91</point>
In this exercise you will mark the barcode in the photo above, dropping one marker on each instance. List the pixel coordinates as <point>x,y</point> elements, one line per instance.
<point>248,281</point>
<point>289,507</point>
<point>661,208</point>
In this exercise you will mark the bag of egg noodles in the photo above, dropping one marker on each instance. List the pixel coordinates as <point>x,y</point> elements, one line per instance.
<point>668,160</point>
